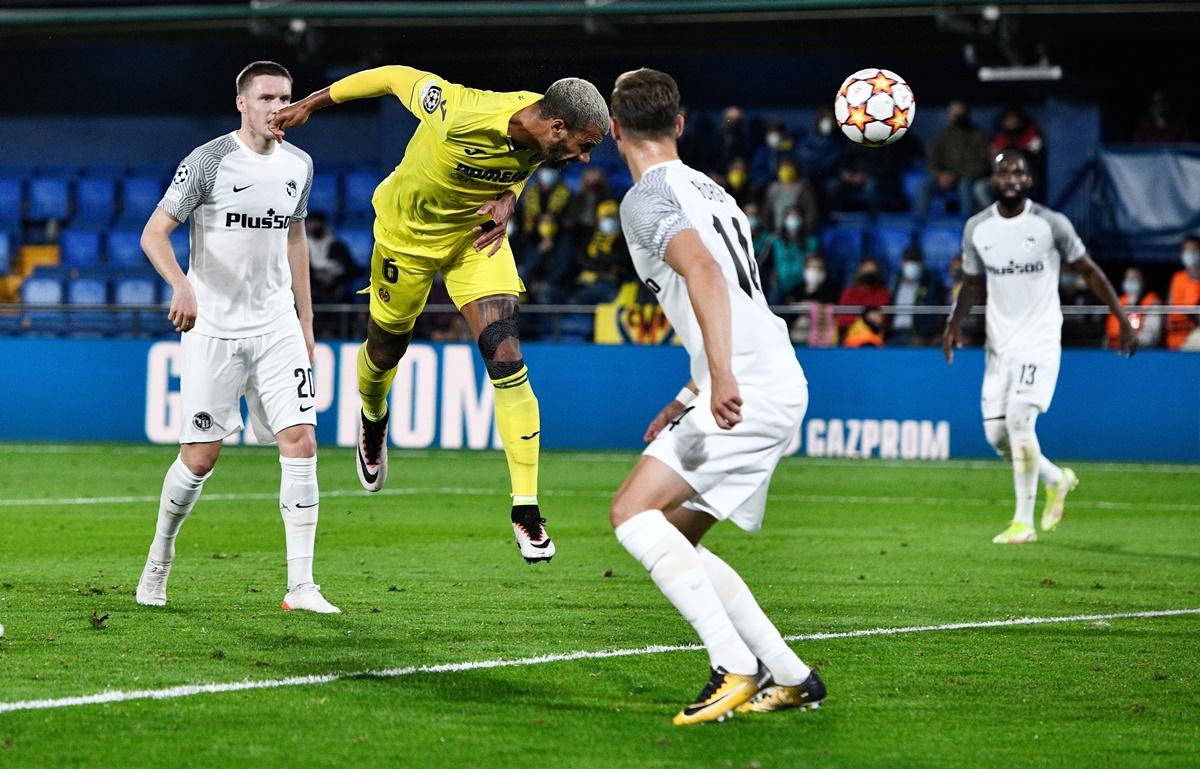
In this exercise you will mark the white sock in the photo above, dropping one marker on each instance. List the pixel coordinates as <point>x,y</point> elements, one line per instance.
<point>299,505</point>
<point>675,567</point>
<point>1026,458</point>
<point>180,491</point>
<point>1050,473</point>
<point>759,633</point>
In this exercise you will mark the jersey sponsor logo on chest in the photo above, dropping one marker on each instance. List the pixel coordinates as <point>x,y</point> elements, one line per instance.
<point>1013,268</point>
<point>245,221</point>
<point>463,172</point>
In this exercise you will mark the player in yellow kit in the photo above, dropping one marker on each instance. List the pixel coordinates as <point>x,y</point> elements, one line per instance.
<point>445,208</point>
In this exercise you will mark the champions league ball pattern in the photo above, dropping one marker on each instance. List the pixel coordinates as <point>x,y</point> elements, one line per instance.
<point>874,107</point>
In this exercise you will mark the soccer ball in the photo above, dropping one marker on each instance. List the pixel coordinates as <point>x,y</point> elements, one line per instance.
<point>874,107</point>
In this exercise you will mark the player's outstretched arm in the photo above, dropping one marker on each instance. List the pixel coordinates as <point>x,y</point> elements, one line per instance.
<point>396,79</point>
<point>1099,284</point>
<point>969,295</point>
<point>709,295</point>
<point>156,243</point>
<point>297,252</point>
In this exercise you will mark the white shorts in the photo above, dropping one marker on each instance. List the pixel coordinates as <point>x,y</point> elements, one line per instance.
<point>272,371</point>
<point>731,469</point>
<point>1020,376</point>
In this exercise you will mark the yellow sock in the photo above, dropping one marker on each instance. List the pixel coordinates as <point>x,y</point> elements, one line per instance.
<point>520,425</point>
<point>373,386</point>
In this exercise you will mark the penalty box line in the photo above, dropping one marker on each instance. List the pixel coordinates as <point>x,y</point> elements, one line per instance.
<point>191,690</point>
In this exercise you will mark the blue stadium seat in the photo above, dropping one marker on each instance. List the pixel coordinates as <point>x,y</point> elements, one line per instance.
<point>181,243</point>
<point>940,243</point>
<point>95,201</point>
<point>134,291</point>
<point>325,196</point>
<point>842,245</point>
<point>7,249</point>
<point>10,201</point>
<point>79,247</point>
<point>125,249</point>
<point>112,171</point>
<point>139,196</point>
<point>359,241</point>
<point>888,244</point>
<point>910,182</point>
<point>359,187</point>
<point>49,198</point>
<point>37,291</point>
<point>89,292</point>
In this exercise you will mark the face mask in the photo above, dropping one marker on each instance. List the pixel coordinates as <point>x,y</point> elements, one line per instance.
<point>787,174</point>
<point>608,226</point>
<point>814,276</point>
<point>546,229</point>
<point>825,126</point>
<point>912,270</point>
<point>792,224</point>
<point>737,178</point>
<point>1190,259</point>
<point>548,177</point>
<point>1132,288</point>
<point>773,140</point>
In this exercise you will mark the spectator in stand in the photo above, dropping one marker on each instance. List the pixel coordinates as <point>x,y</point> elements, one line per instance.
<point>696,142</point>
<point>817,287</point>
<point>331,267</point>
<point>548,194</point>
<point>814,326</point>
<point>867,290</point>
<point>1185,289</point>
<point>1017,130</point>
<point>547,266</point>
<point>866,178</point>
<point>1162,124</point>
<point>1148,326</point>
<point>759,234</point>
<point>959,159</point>
<point>1079,330</point>
<point>866,330</point>
<point>916,286</point>
<point>973,325</point>
<point>790,190</point>
<point>778,146</point>
<point>788,250</point>
<point>603,260</point>
<point>581,212</point>
<point>821,150</point>
<point>734,141</point>
<point>737,182</point>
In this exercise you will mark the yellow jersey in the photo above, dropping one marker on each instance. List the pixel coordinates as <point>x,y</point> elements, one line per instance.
<point>460,157</point>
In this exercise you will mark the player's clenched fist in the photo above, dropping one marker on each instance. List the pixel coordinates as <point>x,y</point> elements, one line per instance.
<point>183,307</point>
<point>726,402</point>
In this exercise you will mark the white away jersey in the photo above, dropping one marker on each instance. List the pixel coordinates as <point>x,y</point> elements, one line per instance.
<point>669,198</point>
<point>241,205</point>
<point>1022,257</point>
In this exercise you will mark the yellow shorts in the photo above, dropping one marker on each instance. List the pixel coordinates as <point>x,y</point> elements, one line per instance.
<point>400,281</point>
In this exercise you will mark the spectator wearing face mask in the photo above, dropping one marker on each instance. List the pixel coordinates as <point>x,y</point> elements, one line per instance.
<point>918,287</point>
<point>581,212</point>
<point>759,234</point>
<point>790,190</point>
<point>603,260</point>
<point>788,250</point>
<point>548,194</point>
<point>737,182</point>
<point>817,287</point>
<point>547,265</point>
<point>819,152</point>
<point>959,160</point>
<point>867,290</point>
<point>1185,289</point>
<point>778,145</point>
<point>734,141</point>
<point>1148,327</point>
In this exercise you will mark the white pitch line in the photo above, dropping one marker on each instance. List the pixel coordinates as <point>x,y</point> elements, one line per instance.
<point>191,690</point>
<point>844,499</point>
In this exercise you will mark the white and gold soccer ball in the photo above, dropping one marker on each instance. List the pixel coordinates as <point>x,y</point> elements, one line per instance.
<point>874,107</point>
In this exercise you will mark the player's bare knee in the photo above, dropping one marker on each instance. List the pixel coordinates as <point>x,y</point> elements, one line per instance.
<point>199,458</point>
<point>621,510</point>
<point>298,442</point>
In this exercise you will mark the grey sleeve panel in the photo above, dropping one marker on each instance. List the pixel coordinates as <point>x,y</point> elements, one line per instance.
<point>302,203</point>
<point>1066,240</point>
<point>972,264</point>
<point>651,214</point>
<point>194,178</point>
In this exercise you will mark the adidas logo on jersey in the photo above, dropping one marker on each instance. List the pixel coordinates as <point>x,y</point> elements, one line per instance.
<point>272,221</point>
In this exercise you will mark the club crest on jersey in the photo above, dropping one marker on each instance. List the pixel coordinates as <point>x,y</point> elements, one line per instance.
<point>1030,243</point>
<point>384,294</point>
<point>292,189</point>
<point>431,97</point>
<point>203,421</point>
<point>181,174</point>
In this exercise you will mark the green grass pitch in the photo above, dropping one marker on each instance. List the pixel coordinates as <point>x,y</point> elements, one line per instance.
<point>428,573</point>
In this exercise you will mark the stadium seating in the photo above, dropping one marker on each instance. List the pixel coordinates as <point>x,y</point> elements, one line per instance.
<point>89,292</point>
<point>125,249</point>
<point>139,196</point>
<point>7,251</point>
<point>910,182</point>
<point>38,291</point>
<point>888,244</point>
<point>182,245</point>
<point>325,196</point>
<point>941,241</point>
<point>359,187</point>
<point>359,241</point>
<point>49,198</point>
<point>80,247</point>
<point>95,201</point>
<point>842,245</point>
<point>136,291</point>
<point>10,201</point>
